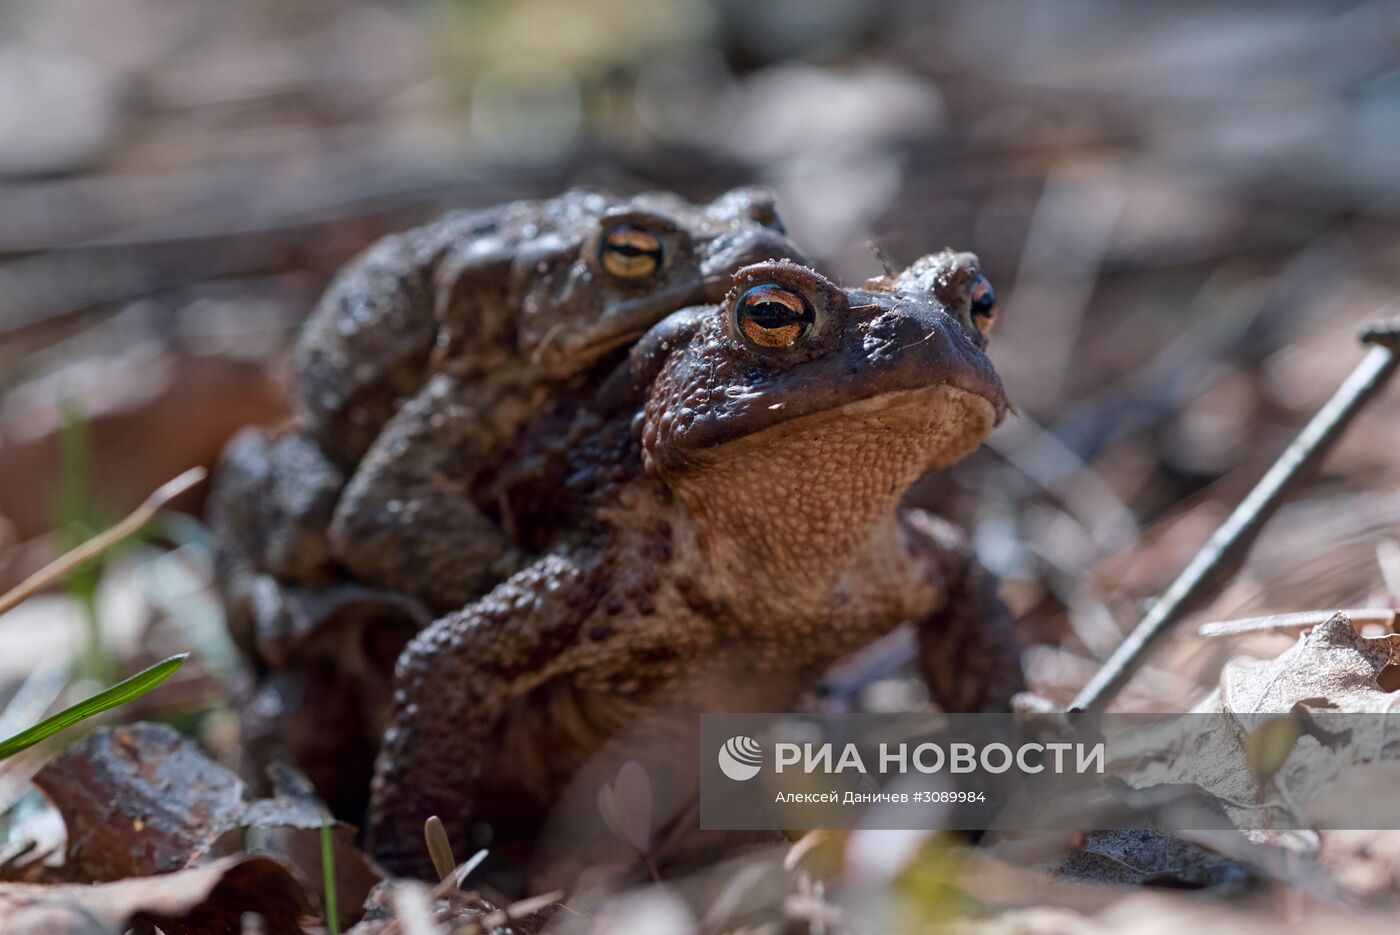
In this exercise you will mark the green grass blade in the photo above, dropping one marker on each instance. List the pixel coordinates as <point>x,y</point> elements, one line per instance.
<point>328,877</point>
<point>120,693</point>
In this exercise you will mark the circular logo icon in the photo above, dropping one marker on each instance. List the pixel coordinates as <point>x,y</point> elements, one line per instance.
<point>740,758</point>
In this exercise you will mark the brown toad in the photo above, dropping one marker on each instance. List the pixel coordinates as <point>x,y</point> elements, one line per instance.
<point>427,354</point>
<point>748,465</point>
<point>438,345</point>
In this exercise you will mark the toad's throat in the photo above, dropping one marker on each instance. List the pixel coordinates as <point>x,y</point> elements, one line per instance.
<point>798,500</point>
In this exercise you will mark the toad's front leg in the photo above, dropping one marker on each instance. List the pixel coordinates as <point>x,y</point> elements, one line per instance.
<point>456,684</point>
<point>967,648</point>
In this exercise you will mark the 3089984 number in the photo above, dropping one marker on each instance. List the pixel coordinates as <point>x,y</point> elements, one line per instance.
<point>944,797</point>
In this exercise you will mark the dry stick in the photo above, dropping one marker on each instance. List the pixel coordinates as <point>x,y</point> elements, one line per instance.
<point>1226,551</point>
<point>1303,618</point>
<point>100,543</point>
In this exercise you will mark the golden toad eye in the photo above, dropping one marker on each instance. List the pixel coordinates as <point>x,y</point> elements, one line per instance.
<point>771,316</point>
<point>984,304</point>
<point>630,253</point>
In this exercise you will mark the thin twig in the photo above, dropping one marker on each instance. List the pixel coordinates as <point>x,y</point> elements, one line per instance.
<point>1227,550</point>
<point>1294,621</point>
<point>100,543</point>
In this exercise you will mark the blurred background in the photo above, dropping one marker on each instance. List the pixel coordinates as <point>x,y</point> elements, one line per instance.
<point>1187,209</point>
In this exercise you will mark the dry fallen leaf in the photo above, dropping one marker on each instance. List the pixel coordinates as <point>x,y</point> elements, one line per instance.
<point>1274,757</point>
<point>1330,661</point>
<point>207,900</point>
<point>142,799</point>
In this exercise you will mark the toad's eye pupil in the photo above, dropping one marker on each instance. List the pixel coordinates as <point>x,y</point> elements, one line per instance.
<point>771,316</point>
<point>631,253</point>
<point>984,304</point>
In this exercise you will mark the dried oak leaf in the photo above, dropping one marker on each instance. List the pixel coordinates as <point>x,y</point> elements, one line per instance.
<point>142,799</point>
<point>1331,666</point>
<point>208,900</point>
<point>1291,728</point>
<point>1272,747</point>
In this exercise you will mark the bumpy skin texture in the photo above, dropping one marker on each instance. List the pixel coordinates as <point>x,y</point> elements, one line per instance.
<point>414,374</point>
<point>432,351</point>
<point>746,537</point>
